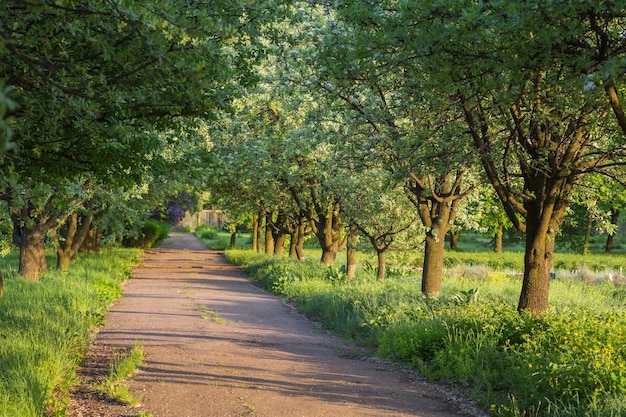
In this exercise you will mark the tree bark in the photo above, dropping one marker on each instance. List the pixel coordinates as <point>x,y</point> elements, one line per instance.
<point>88,243</point>
<point>609,240</point>
<point>382,265</point>
<point>537,265</point>
<point>98,240</point>
<point>497,238</point>
<point>454,240</point>
<point>293,239</point>
<point>30,240</point>
<point>255,228</point>
<point>269,237</point>
<point>351,251</point>
<point>437,211</point>
<point>300,241</point>
<point>327,228</point>
<point>233,240</point>
<point>433,266</point>
<point>32,255</point>
<point>280,229</point>
<point>279,243</point>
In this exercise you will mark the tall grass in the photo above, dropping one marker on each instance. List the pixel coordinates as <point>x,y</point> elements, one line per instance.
<point>45,329</point>
<point>571,362</point>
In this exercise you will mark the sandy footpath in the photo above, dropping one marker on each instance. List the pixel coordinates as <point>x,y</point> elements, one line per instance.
<point>218,346</point>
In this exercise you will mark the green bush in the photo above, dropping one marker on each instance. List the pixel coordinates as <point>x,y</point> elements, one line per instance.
<point>151,235</point>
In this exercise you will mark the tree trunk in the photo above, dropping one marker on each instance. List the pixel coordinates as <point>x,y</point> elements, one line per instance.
<point>32,255</point>
<point>587,235</point>
<point>437,213</point>
<point>536,282</point>
<point>540,233</point>
<point>279,244</point>
<point>63,253</point>
<point>609,239</point>
<point>73,239</point>
<point>329,256</point>
<point>328,232</point>
<point>255,233</point>
<point>454,240</point>
<point>88,242</point>
<point>300,242</point>
<point>433,266</point>
<point>233,240</point>
<point>259,234</point>
<point>269,237</point>
<point>293,239</point>
<point>380,275</point>
<point>497,238</point>
<point>353,238</point>
<point>97,242</point>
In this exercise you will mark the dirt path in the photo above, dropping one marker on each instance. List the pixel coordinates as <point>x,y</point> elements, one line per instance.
<point>218,346</point>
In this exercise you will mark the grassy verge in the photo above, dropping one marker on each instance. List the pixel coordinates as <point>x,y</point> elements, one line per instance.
<point>122,367</point>
<point>572,362</point>
<point>45,329</point>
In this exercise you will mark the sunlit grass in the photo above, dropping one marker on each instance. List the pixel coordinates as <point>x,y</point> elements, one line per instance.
<point>45,328</point>
<point>123,366</point>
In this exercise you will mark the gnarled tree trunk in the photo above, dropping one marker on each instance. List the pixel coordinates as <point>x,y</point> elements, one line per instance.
<point>436,201</point>
<point>327,227</point>
<point>73,233</point>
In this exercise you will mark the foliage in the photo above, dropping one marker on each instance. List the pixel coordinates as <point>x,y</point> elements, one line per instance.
<point>45,329</point>
<point>570,362</point>
<point>176,208</point>
<point>151,235</point>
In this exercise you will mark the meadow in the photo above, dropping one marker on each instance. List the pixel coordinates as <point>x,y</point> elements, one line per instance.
<point>47,327</point>
<point>571,362</point>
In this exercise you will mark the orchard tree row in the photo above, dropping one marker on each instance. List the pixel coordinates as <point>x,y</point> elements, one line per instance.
<point>374,117</point>
<point>104,108</point>
<point>393,120</point>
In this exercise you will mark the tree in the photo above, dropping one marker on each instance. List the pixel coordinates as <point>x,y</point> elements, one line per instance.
<point>92,82</point>
<point>374,205</point>
<point>524,93</point>
<point>393,117</point>
<point>538,130</point>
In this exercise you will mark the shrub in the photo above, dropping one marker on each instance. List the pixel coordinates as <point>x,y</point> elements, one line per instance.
<point>151,235</point>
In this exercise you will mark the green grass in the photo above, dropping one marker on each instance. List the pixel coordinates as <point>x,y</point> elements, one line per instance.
<point>45,328</point>
<point>572,362</point>
<point>216,239</point>
<point>122,367</point>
